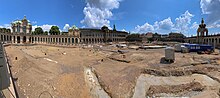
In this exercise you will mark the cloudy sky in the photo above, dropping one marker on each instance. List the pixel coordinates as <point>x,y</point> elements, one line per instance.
<point>162,16</point>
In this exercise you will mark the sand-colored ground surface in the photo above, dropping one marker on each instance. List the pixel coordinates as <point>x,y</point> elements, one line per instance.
<point>46,71</point>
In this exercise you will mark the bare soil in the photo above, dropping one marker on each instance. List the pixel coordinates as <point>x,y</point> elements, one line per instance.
<point>59,72</point>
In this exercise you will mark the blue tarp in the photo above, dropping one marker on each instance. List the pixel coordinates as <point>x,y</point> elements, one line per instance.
<point>199,47</point>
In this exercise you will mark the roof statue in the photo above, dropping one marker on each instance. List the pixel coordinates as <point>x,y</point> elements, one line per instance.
<point>25,17</point>
<point>202,31</point>
<point>114,27</point>
<point>73,28</point>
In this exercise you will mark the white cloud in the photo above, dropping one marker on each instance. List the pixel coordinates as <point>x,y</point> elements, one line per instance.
<point>195,25</point>
<point>144,28</point>
<point>214,25</point>
<point>165,24</point>
<point>66,27</point>
<point>98,12</point>
<point>181,24</point>
<point>45,27</point>
<point>212,9</point>
<point>124,30</point>
<point>34,22</point>
<point>204,6</point>
<point>8,26</point>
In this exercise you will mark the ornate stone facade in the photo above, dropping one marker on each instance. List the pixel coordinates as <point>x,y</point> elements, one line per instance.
<point>21,26</point>
<point>74,31</point>
<point>201,32</point>
<point>203,37</point>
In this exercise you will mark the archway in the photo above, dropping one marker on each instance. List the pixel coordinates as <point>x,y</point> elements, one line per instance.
<point>1,37</point>
<point>24,39</point>
<point>62,40</point>
<point>18,39</point>
<point>109,40</point>
<point>14,39</point>
<point>68,40</point>
<point>76,40</point>
<point>30,39</point>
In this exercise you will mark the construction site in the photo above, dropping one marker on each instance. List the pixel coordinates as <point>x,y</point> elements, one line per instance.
<point>112,71</point>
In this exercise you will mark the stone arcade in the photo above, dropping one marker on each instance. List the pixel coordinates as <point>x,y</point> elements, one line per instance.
<point>21,34</point>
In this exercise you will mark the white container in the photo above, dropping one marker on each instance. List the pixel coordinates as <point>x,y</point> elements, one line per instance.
<point>177,47</point>
<point>170,54</point>
<point>184,49</point>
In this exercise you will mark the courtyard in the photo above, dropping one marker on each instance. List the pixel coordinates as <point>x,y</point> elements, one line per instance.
<point>102,71</point>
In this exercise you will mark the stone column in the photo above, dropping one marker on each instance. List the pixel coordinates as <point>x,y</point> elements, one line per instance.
<point>208,41</point>
<point>12,39</point>
<point>16,39</point>
<point>78,40</point>
<point>47,40</point>
<point>3,38</point>
<point>21,39</point>
<point>27,39</point>
<point>34,41</point>
<point>71,42</point>
<point>0,36</point>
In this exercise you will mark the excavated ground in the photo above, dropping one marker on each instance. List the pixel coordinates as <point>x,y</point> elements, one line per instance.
<point>46,72</point>
<point>174,89</point>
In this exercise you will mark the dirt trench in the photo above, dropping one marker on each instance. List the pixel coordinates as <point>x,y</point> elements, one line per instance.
<point>174,89</point>
<point>96,90</point>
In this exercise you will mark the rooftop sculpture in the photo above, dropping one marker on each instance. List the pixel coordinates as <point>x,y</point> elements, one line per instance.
<point>202,31</point>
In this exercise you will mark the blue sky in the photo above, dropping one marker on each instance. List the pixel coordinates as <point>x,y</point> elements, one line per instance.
<point>162,16</point>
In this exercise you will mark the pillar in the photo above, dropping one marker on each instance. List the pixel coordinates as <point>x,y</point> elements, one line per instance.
<point>27,39</point>
<point>21,39</point>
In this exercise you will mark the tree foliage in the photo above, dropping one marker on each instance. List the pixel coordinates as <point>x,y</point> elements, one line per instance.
<point>4,30</point>
<point>46,33</point>
<point>133,37</point>
<point>176,35</point>
<point>38,31</point>
<point>54,30</point>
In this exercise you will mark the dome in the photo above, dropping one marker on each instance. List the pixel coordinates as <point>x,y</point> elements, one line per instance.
<point>16,22</point>
<point>104,28</point>
<point>74,27</point>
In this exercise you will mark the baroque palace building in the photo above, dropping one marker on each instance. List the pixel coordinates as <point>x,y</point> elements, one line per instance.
<point>21,33</point>
<point>203,37</point>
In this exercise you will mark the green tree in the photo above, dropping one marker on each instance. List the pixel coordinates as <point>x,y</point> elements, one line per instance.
<point>8,30</point>
<point>38,31</point>
<point>133,37</point>
<point>4,30</point>
<point>54,30</point>
<point>46,33</point>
